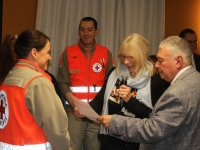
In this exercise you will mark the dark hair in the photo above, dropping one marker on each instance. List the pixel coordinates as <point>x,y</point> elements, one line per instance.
<point>89,19</point>
<point>153,58</point>
<point>183,32</point>
<point>24,43</point>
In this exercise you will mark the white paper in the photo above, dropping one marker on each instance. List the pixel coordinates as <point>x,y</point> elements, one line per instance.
<point>85,109</point>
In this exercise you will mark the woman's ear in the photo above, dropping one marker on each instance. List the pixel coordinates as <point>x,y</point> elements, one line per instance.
<point>33,53</point>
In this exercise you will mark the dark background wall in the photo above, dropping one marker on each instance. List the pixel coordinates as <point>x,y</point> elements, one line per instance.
<point>179,14</point>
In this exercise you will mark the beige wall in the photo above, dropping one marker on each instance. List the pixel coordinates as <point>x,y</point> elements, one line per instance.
<point>18,15</point>
<point>181,14</point>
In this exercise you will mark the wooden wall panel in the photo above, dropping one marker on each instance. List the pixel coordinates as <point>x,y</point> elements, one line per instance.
<point>181,14</point>
<point>18,15</point>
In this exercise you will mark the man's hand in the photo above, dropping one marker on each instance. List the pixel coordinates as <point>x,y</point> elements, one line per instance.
<point>77,114</point>
<point>105,120</point>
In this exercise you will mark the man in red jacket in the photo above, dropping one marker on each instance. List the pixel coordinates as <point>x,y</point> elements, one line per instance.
<point>83,69</point>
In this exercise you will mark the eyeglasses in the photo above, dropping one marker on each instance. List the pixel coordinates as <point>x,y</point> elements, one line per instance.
<point>191,42</point>
<point>123,57</point>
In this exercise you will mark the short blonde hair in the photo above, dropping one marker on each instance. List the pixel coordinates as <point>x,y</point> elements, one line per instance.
<point>136,46</point>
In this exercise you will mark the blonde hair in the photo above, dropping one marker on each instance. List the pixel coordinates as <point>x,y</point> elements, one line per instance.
<point>136,46</point>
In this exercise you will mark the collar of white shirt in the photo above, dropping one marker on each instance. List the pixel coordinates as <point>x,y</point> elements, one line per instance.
<point>179,73</point>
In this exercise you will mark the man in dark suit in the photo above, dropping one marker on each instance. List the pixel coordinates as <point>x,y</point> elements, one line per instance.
<point>190,36</point>
<point>174,123</point>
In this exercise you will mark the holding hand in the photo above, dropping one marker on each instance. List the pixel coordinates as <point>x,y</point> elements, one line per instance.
<point>77,114</point>
<point>105,120</point>
<point>125,93</point>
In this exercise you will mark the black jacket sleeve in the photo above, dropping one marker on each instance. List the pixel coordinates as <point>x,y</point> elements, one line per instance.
<point>158,86</point>
<point>54,81</point>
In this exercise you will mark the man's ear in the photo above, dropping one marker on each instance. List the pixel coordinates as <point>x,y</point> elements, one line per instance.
<point>96,33</point>
<point>34,53</point>
<point>179,61</point>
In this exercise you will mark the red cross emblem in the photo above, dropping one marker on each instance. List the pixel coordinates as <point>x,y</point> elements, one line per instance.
<point>97,67</point>
<point>2,110</point>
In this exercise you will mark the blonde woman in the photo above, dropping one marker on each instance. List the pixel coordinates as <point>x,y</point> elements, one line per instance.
<point>145,85</point>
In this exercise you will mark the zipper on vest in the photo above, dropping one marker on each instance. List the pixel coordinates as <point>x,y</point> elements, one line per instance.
<point>94,87</point>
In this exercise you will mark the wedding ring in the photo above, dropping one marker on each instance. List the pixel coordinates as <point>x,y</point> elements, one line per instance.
<point>122,93</point>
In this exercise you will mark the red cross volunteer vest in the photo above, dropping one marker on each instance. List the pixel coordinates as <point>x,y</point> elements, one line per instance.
<point>18,129</point>
<point>87,75</point>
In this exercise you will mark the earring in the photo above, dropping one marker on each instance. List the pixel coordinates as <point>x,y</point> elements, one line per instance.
<point>35,61</point>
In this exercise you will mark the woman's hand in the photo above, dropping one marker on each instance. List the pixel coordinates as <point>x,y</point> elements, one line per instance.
<point>125,93</point>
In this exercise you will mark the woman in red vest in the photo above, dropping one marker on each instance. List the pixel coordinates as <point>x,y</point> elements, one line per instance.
<point>31,113</point>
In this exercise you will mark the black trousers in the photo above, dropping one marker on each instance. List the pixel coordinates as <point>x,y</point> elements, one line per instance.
<point>112,143</point>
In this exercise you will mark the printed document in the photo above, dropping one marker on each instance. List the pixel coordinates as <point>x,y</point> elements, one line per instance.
<point>85,109</point>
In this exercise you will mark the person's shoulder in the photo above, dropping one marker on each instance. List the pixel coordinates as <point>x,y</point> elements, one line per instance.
<point>101,46</point>
<point>196,56</point>
<point>111,70</point>
<point>51,75</point>
<point>197,61</point>
<point>71,46</point>
<point>156,76</point>
<point>103,49</point>
<point>188,71</point>
<point>42,81</point>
